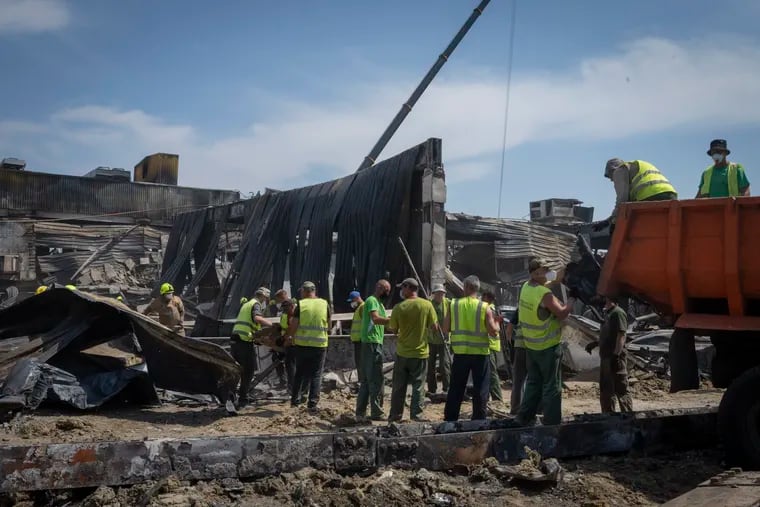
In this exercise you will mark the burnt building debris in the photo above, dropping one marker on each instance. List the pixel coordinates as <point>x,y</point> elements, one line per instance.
<point>158,168</point>
<point>342,235</point>
<point>50,224</point>
<point>560,212</point>
<point>83,350</point>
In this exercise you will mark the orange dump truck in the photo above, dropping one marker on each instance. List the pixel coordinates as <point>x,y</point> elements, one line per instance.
<point>698,261</point>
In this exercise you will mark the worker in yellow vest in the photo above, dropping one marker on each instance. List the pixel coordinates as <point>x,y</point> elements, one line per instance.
<point>635,181</point>
<point>470,323</point>
<point>439,343</point>
<point>495,393</point>
<point>309,328</point>
<point>249,320</point>
<point>519,363</point>
<point>357,304</point>
<point>723,178</point>
<point>540,316</point>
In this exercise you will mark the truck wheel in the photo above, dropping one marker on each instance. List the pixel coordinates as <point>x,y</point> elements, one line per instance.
<point>739,420</point>
<point>684,373</point>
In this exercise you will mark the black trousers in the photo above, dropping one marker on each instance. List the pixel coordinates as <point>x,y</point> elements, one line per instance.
<point>285,370</point>
<point>245,355</point>
<point>310,362</point>
<point>461,368</point>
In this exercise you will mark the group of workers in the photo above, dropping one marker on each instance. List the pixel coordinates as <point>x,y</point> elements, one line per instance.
<point>637,180</point>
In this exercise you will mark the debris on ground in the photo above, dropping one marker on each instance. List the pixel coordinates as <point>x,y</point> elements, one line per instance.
<point>533,469</point>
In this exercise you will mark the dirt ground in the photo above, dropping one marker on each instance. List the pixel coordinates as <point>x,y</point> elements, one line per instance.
<point>172,421</point>
<point>597,482</point>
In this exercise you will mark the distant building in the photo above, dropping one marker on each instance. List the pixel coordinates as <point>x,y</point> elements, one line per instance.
<point>560,212</point>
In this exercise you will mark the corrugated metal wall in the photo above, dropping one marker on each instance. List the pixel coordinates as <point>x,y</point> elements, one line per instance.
<point>23,191</point>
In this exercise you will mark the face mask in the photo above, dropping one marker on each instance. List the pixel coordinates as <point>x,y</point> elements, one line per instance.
<point>718,157</point>
<point>279,306</point>
<point>354,304</point>
<point>401,294</point>
<point>551,276</point>
<point>168,297</point>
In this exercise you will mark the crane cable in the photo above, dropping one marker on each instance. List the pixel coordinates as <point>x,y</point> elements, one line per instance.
<point>506,105</point>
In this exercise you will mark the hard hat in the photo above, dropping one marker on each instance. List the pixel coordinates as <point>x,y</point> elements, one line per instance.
<point>119,298</point>
<point>41,289</point>
<point>262,291</point>
<point>71,287</point>
<point>243,300</point>
<point>166,288</point>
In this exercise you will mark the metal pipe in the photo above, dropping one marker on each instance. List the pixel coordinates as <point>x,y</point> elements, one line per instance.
<point>370,159</point>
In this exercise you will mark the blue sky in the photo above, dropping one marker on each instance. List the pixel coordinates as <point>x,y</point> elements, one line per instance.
<point>284,94</point>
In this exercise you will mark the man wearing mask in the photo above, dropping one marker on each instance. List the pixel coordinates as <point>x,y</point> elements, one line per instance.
<point>412,319</point>
<point>723,178</point>
<point>438,343</point>
<point>170,310</point>
<point>357,304</point>
<point>249,320</point>
<point>635,181</point>
<point>471,323</point>
<point>613,370</point>
<point>309,328</point>
<point>540,316</point>
<point>371,377</point>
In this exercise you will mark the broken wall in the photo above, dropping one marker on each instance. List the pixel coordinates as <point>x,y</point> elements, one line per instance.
<point>293,235</point>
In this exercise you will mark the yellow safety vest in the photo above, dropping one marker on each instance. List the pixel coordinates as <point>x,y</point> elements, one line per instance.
<point>356,324</point>
<point>312,323</point>
<point>649,181</point>
<point>244,324</point>
<point>469,334</point>
<point>732,176</point>
<point>494,342</point>
<point>284,323</point>
<point>538,334</point>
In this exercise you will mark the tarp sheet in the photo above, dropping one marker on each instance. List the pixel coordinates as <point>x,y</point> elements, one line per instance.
<point>84,350</point>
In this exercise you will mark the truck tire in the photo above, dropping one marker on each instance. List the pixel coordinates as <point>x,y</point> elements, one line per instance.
<point>684,373</point>
<point>739,420</point>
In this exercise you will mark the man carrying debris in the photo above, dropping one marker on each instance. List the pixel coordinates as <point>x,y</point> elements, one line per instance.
<point>249,320</point>
<point>309,328</point>
<point>613,370</point>
<point>371,378</point>
<point>412,319</point>
<point>471,322</point>
<point>540,316</point>
<point>438,343</point>
<point>635,181</point>
<point>495,393</point>
<point>357,303</point>
<point>723,178</point>
<point>170,310</point>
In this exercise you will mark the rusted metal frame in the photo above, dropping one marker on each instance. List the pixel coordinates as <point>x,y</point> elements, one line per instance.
<point>71,465</point>
<point>731,276</point>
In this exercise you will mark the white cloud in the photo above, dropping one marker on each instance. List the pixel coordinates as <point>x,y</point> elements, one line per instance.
<point>24,16</point>
<point>647,86</point>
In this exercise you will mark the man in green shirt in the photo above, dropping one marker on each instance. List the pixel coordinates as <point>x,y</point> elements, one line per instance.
<point>723,178</point>
<point>613,372</point>
<point>439,349</point>
<point>371,372</point>
<point>411,319</point>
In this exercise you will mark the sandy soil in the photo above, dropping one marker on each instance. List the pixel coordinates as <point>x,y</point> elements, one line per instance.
<point>597,482</point>
<point>171,421</point>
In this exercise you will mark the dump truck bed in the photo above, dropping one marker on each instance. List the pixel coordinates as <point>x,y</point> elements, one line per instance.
<point>697,260</point>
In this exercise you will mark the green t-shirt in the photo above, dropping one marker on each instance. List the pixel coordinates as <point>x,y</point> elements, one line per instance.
<point>371,332</point>
<point>411,319</point>
<point>719,181</point>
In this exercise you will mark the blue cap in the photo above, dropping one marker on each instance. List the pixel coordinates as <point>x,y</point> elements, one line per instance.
<point>353,295</point>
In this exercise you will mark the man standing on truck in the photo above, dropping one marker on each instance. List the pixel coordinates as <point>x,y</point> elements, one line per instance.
<point>438,343</point>
<point>613,371</point>
<point>540,316</point>
<point>371,378</point>
<point>635,181</point>
<point>723,178</point>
